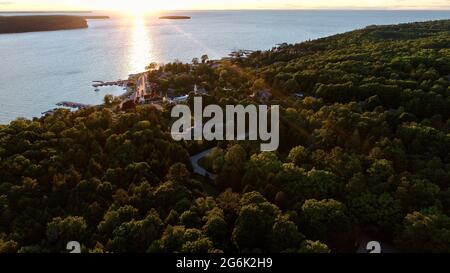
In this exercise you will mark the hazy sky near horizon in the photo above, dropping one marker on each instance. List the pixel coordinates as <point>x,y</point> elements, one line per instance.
<point>148,5</point>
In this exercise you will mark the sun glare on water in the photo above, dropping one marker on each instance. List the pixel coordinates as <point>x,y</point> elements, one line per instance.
<point>140,54</point>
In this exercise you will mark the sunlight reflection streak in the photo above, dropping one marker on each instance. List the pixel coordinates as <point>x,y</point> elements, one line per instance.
<point>141,46</point>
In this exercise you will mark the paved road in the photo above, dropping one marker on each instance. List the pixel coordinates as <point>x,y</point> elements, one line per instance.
<point>141,86</point>
<point>199,169</point>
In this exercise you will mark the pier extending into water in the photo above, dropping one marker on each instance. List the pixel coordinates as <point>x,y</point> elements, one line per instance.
<point>122,83</point>
<point>73,104</point>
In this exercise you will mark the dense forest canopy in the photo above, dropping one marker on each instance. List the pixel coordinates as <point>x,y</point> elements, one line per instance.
<point>365,153</point>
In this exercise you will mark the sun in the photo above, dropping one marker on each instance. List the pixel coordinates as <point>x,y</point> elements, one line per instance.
<point>140,7</point>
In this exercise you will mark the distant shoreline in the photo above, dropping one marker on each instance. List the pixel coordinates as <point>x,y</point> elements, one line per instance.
<point>174,17</point>
<point>52,12</point>
<point>35,23</point>
<point>96,17</point>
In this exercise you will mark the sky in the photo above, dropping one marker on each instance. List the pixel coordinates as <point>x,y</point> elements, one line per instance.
<point>152,5</point>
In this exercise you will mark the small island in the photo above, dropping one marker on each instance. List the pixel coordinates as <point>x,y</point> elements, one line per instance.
<point>175,17</point>
<point>20,24</point>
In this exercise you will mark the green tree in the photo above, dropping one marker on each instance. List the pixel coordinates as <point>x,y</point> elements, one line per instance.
<point>216,228</point>
<point>178,173</point>
<point>233,167</point>
<point>299,156</point>
<point>326,220</point>
<point>285,235</point>
<point>376,213</point>
<point>115,217</point>
<point>314,247</point>
<point>253,228</point>
<point>137,236</point>
<point>426,231</point>
<point>108,99</point>
<point>60,231</point>
<point>190,219</point>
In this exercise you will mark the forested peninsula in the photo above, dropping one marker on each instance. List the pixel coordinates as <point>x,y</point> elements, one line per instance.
<point>32,23</point>
<point>364,155</point>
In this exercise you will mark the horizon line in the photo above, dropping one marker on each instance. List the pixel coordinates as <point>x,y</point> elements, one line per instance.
<point>241,9</point>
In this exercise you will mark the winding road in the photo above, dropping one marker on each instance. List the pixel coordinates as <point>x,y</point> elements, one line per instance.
<point>199,169</point>
<point>196,158</point>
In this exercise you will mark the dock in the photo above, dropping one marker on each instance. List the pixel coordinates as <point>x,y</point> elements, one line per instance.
<point>73,104</point>
<point>122,83</point>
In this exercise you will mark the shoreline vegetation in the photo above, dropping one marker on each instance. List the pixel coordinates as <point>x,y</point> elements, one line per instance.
<point>363,156</point>
<point>34,23</point>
